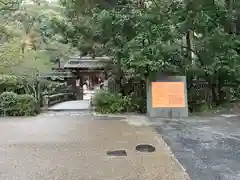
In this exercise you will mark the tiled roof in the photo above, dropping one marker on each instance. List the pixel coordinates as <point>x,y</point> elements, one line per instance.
<point>56,74</point>
<point>87,62</point>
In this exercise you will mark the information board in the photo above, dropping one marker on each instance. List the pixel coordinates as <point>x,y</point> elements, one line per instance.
<point>168,95</point>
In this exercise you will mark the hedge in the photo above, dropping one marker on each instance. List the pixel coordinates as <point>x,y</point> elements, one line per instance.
<point>12,104</point>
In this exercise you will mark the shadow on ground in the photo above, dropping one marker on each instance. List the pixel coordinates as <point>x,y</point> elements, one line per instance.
<point>209,148</point>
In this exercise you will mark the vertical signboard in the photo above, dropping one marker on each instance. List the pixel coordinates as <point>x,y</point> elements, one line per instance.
<point>167,97</point>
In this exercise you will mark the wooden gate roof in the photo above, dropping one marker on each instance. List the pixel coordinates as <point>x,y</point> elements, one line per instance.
<point>87,63</point>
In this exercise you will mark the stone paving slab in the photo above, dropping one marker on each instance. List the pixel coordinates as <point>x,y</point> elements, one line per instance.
<point>64,147</point>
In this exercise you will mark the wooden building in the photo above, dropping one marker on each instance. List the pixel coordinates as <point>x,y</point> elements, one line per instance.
<point>79,70</point>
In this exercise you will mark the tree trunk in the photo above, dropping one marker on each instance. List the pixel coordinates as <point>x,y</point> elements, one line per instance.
<point>214,94</point>
<point>221,94</point>
<point>238,25</point>
<point>191,9</point>
<point>212,86</point>
<point>189,45</point>
<point>230,25</point>
<point>238,19</point>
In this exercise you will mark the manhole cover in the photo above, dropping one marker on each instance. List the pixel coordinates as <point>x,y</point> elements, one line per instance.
<point>117,153</point>
<point>145,148</point>
<point>108,118</point>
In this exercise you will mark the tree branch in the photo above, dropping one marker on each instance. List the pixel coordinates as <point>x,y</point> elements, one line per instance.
<point>4,3</point>
<point>199,59</point>
<point>195,52</point>
<point>156,4</point>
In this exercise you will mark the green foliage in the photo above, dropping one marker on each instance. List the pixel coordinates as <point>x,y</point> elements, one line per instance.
<point>12,83</point>
<point>26,105</point>
<point>106,102</point>
<point>27,40</point>
<point>138,103</point>
<point>8,101</point>
<point>12,104</point>
<point>28,44</point>
<point>195,38</point>
<point>49,87</point>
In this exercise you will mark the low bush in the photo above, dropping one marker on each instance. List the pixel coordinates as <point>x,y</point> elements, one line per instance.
<point>138,103</point>
<point>107,102</point>
<point>12,104</point>
<point>26,105</point>
<point>12,83</point>
<point>8,102</point>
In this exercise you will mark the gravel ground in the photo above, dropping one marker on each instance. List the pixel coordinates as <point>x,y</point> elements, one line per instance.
<point>208,148</point>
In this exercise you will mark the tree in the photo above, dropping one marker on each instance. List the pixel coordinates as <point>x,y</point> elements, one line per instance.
<point>148,39</point>
<point>28,42</point>
<point>29,32</point>
<point>9,5</point>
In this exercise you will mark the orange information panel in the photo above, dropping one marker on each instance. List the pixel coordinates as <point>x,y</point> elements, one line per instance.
<point>168,94</point>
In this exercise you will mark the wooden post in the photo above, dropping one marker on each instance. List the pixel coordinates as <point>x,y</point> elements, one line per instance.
<point>45,101</point>
<point>79,87</point>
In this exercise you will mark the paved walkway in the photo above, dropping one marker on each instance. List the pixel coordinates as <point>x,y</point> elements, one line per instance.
<point>64,147</point>
<point>88,94</point>
<point>71,105</point>
<point>207,147</point>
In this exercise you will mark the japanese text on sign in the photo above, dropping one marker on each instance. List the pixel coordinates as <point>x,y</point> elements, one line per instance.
<point>168,94</point>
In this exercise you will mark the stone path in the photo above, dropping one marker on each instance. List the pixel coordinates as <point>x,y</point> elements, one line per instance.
<point>64,147</point>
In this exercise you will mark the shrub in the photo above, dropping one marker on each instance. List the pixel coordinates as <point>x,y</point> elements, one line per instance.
<point>12,104</point>
<point>107,102</point>
<point>11,84</point>
<point>138,102</point>
<point>8,101</point>
<point>26,105</point>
